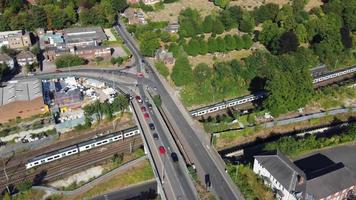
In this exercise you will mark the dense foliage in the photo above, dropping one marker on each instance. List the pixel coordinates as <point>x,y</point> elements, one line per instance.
<point>52,14</point>
<point>293,147</point>
<point>162,68</point>
<point>69,61</point>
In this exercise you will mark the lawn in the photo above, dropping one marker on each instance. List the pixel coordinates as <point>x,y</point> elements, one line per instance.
<point>142,171</point>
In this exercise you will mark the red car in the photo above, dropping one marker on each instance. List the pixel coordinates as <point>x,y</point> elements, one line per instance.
<point>146,115</point>
<point>138,98</point>
<point>143,109</point>
<point>162,150</point>
<point>140,74</point>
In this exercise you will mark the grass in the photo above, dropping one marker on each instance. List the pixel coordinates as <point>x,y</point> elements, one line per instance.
<point>250,185</point>
<point>140,172</point>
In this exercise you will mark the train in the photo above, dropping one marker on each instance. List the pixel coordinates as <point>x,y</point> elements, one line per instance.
<point>259,95</point>
<point>80,147</point>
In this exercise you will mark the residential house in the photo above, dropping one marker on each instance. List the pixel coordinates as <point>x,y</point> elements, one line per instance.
<point>5,59</point>
<point>323,180</point>
<point>15,39</point>
<point>165,56</point>
<point>173,27</point>
<point>88,36</point>
<point>26,57</point>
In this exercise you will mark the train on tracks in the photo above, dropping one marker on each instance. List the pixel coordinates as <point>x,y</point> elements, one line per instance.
<point>80,147</point>
<point>260,95</point>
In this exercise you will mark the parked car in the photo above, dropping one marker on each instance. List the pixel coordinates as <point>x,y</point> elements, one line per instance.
<point>174,157</point>
<point>155,136</point>
<point>162,150</point>
<point>140,75</point>
<point>149,105</point>
<point>152,126</point>
<point>138,99</point>
<point>146,99</point>
<point>146,115</point>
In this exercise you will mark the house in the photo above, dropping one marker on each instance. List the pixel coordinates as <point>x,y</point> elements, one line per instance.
<point>87,36</point>
<point>173,27</point>
<point>165,56</point>
<point>5,59</point>
<point>26,57</point>
<point>15,39</point>
<point>86,52</point>
<point>294,181</point>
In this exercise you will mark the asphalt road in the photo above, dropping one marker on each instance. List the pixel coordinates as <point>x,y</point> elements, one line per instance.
<point>219,181</point>
<point>144,191</point>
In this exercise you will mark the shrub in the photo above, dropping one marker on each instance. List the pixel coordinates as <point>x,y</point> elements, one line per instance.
<point>69,61</point>
<point>162,69</point>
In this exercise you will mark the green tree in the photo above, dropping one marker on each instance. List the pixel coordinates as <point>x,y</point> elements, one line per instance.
<point>218,27</point>
<point>162,68</point>
<point>39,17</point>
<point>203,47</point>
<point>247,41</point>
<point>119,5</point>
<point>70,14</point>
<point>212,45</point>
<point>288,42</point>
<point>239,42</point>
<point>270,34</point>
<point>208,24</point>
<point>301,33</point>
<point>202,73</point>
<point>230,42</point>
<point>149,44</point>
<point>266,12</point>
<point>182,73</point>
<point>247,23</point>
<point>24,185</point>
<point>227,18</point>
<point>221,3</point>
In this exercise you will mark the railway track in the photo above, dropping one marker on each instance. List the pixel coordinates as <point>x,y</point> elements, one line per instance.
<point>68,165</point>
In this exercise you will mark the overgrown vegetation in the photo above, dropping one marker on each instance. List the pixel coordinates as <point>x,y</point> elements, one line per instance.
<point>293,147</point>
<point>69,61</point>
<point>249,184</point>
<point>162,68</point>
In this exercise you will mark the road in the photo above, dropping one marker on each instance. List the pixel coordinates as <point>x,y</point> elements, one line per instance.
<point>220,181</point>
<point>146,190</point>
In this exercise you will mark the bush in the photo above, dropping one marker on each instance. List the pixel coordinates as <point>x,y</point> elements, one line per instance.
<point>162,69</point>
<point>69,61</point>
<point>24,186</point>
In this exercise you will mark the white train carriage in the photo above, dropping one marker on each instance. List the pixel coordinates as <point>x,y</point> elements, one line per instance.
<point>84,146</point>
<point>131,132</point>
<point>51,156</point>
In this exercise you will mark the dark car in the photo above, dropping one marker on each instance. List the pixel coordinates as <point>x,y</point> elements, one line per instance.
<point>155,136</point>
<point>152,126</point>
<point>149,105</point>
<point>174,157</point>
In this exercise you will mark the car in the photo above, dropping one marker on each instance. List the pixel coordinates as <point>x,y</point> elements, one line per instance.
<point>174,157</point>
<point>57,70</point>
<point>149,106</point>
<point>140,74</point>
<point>146,115</point>
<point>138,99</point>
<point>155,136</point>
<point>152,126</point>
<point>146,99</point>
<point>143,109</point>
<point>162,150</point>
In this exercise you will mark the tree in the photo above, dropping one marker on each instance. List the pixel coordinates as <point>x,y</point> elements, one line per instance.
<point>288,42</point>
<point>228,19</point>
<point>218,27</point>
<point>24,185</point>
<point>212,45</point>
<point>266,12</point>
<point>162,68</point>
<point>119,5</point>
<point>149,44</point>
<point>208,24</point>
<point>302,33</point>
<point>70,14</point>
<point>247,23</point>
<point>182,73</point>
<point>247,41</point>
<point>203,47</point>
<point>39,17</point>
<point>230,42</point>
<point>6,196</point>
<point>239,42</point>
<point>221,3</point>
<point>298,5</point>
<point>269,35</point>
<point>346,38</point>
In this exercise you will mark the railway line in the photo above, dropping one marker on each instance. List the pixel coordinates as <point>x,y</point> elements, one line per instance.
<point>68,165</point>
<point>321,81</point>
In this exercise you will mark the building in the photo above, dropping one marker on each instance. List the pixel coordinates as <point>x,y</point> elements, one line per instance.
<point>50,39</point>
<point>67,98</point>
<point>5,59</point>
<point>15,39</point>
<point>21,99</point>
<point>26,57</point>
<point>165,56</point>
<point>86,52</point>
<point>308,181</point>
<point>88,36</point>
<point>135,16</point>
<point>173,27</point>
